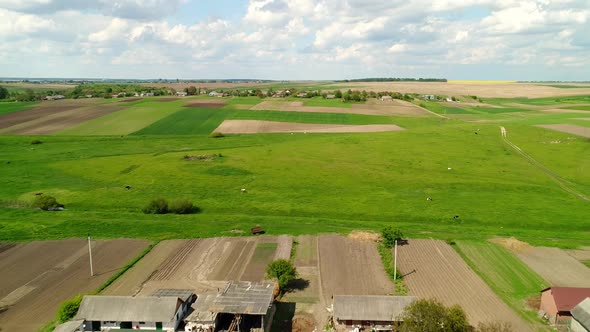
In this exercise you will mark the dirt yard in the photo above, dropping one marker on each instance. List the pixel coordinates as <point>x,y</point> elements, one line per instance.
<point>36,277</point>
<point>257,126</point>
<point>570,129</point>
<point>432,269</point>
<point>351,267</point>
<point>556,266</point>
<point>504,90</point>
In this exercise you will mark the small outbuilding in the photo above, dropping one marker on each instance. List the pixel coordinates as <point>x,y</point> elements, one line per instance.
<point>557,303</point>
<point>386,98</point>
<point>71,326</point>
<point>164,313</point>
<point>374,312</point>
<point>241,306</point>
<point>581,317</point>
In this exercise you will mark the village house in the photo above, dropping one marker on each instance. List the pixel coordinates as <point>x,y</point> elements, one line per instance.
<point>371,312</point>
<point>581,317</point>
<point>330,96</point>
<point>213,94</point>
<point>429,97</point>
<point>241,306</point>
<point>558,302</point>
<point>163,311</point>
<point>386,98</point>
<point>302,95</point>
<point>55,97</point>
<point>181,93</point>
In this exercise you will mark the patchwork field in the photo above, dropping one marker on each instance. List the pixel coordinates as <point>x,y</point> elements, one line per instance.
<point>36,277</point>
<point>432,269</point>
<point>570,129</point>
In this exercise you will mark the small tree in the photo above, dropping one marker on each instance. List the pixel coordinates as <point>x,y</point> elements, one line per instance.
<point>3,92</point>
<point>68,309</point>
<point>156,206</point>
<point>390,235</point>
<point>281,270</point>
<point>432,316</point>
<point>47,203</point>
<point>183,206</point>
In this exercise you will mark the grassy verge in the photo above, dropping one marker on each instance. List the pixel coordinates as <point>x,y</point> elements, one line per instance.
<point>52,324</point>
<point>396,277</point>
<point>514,282</point>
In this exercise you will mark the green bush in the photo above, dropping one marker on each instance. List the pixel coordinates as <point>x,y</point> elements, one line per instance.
<point>281,270</point>
<point>390,235</point>
<point>47,203</point>
<point>156,206</point>
<point>216,134</point>
<point>183,206</point>
<point>68,309</point>
<point>36,141</point>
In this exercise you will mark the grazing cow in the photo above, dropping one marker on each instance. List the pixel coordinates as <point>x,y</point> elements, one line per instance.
<point>127,187</point>
<point>243,190</point>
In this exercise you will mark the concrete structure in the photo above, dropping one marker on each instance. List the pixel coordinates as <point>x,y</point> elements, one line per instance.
<point>71,326</point>
<point>374,312</point>
<point>557,303</point>
<point>581,317</point>
<point>241,306</point>
<point>164,310</point>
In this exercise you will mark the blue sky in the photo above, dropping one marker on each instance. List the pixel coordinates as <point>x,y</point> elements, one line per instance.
<point>296,39</point>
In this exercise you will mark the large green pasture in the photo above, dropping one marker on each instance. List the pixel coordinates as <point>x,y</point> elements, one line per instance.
<point>9,107</point>
<point>507,275</point>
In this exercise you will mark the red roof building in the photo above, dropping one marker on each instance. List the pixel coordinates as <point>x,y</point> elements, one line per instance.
<point>558,302</point>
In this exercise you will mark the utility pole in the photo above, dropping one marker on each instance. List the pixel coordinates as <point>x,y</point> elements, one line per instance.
<point>90,255</point>
<point>394,260</point>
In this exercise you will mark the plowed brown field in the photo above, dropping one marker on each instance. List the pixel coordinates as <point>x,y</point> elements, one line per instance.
<point>556,266</point>
<point>432,269</point>
<point>258,126</point>
<point>36,277</point>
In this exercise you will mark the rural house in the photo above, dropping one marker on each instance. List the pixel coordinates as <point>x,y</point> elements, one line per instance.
<point>330,96</point>
<point>71,326</point>
<point>558,302</point>
<point>429,97</point>
<point>181,93</point>
<point>581,317</point>
<point>242,305</point>
<point>100,313</point>
<point>55,97</point>
<point>374,312</point>
<point>386,98</point>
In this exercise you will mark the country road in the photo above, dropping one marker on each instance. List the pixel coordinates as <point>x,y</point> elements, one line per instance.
<point>563,183</point>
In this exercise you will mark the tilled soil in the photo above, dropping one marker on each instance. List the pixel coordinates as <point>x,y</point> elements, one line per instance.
<point>257,126</point>
<point>556,266</point>
<point>432,269</point>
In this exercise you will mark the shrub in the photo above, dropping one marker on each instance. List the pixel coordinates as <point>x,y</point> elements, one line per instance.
<point>216,134</point>
<point>47,203</point>
<point>156,206</point>
<point>281,270</point>
<point>68,309</point>
<point>390,235</point>
<point>431,315</point>
<point>183,206</point>
<point>36,141</point>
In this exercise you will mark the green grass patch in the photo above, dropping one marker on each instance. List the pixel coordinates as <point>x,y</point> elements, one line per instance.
<point>263,252</point>
<point>541,101</point>
<point>388,265</point>
<point>243,101</point>
<point>508,277</point>
<point>442,109</point>
<point>321,102</point>
<point>587,263</point>
<point>566,86</point>
<point>497,110</point>
<point>9,107</point>
<point>579,107</point>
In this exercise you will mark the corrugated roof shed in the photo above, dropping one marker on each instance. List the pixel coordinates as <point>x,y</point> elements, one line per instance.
<point>581,313</point>
<point>370,307</point>
<point>70,326</point>
<point>201,311</point>
<point>566,298</point>
<point>128,308</point>
<point>183,294</point>
<point>238,297</point>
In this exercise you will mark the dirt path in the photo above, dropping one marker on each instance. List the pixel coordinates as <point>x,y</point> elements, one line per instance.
<point>561,182</point>
<point>432,269</point>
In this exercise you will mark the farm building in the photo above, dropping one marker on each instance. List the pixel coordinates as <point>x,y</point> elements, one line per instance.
<point>378,313</point>
<point>162,311</point>
<point>55,97</point>
<point>330,96</point>
<point>429,97</point>
<point>240,306</point>
<point>181,93</point>
<point>558,302</point>
<point>581,317</point>
<point>386,98</point>
<point>71,326</point>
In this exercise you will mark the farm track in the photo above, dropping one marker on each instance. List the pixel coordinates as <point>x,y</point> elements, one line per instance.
<point>168,269</point>
<point>561,182</point>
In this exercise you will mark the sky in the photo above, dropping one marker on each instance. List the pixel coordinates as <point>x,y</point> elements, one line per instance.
<point>296,39</point>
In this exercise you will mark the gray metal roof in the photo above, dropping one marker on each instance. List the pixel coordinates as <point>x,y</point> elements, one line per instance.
<point>581,313</point>
<point>128,308</point>
<point>71,326</point>
<point>239,297</point>
<point>201,311</point>
<point>183,294</point>
<point>370,307</point>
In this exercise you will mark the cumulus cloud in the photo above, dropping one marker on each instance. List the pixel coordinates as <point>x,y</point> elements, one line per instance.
<point>315,38</point>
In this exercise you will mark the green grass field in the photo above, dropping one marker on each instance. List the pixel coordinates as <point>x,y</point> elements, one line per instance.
<point>6,108</point>
<point>321,102</point>
<point>579,107</point>
<point>507,275</point>
<point>541,101</point>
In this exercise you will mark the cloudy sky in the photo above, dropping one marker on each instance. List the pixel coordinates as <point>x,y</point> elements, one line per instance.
<point>296,39</point>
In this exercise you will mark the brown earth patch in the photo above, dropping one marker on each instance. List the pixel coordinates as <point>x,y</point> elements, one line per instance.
<point>556,266</point>
<point>365,236</point>
<point>374,107</point>
<point>235,259</point>
<point>569,129</point>
<point>128,100</point>
<point>432,269</point>
<point>582,254</point>
<point>513,244</point>
<point>555,110</point>
<point>36,277</point>
<point>284,245</point>
<point>351,267</point>
<point>56,122</point>
<point>14,118</point>
<point>257,126</point>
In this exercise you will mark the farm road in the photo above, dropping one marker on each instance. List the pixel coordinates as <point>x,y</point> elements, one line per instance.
<point>561,182</point>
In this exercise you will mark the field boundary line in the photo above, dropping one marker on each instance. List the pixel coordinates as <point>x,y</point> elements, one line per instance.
<point>561,182</point>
